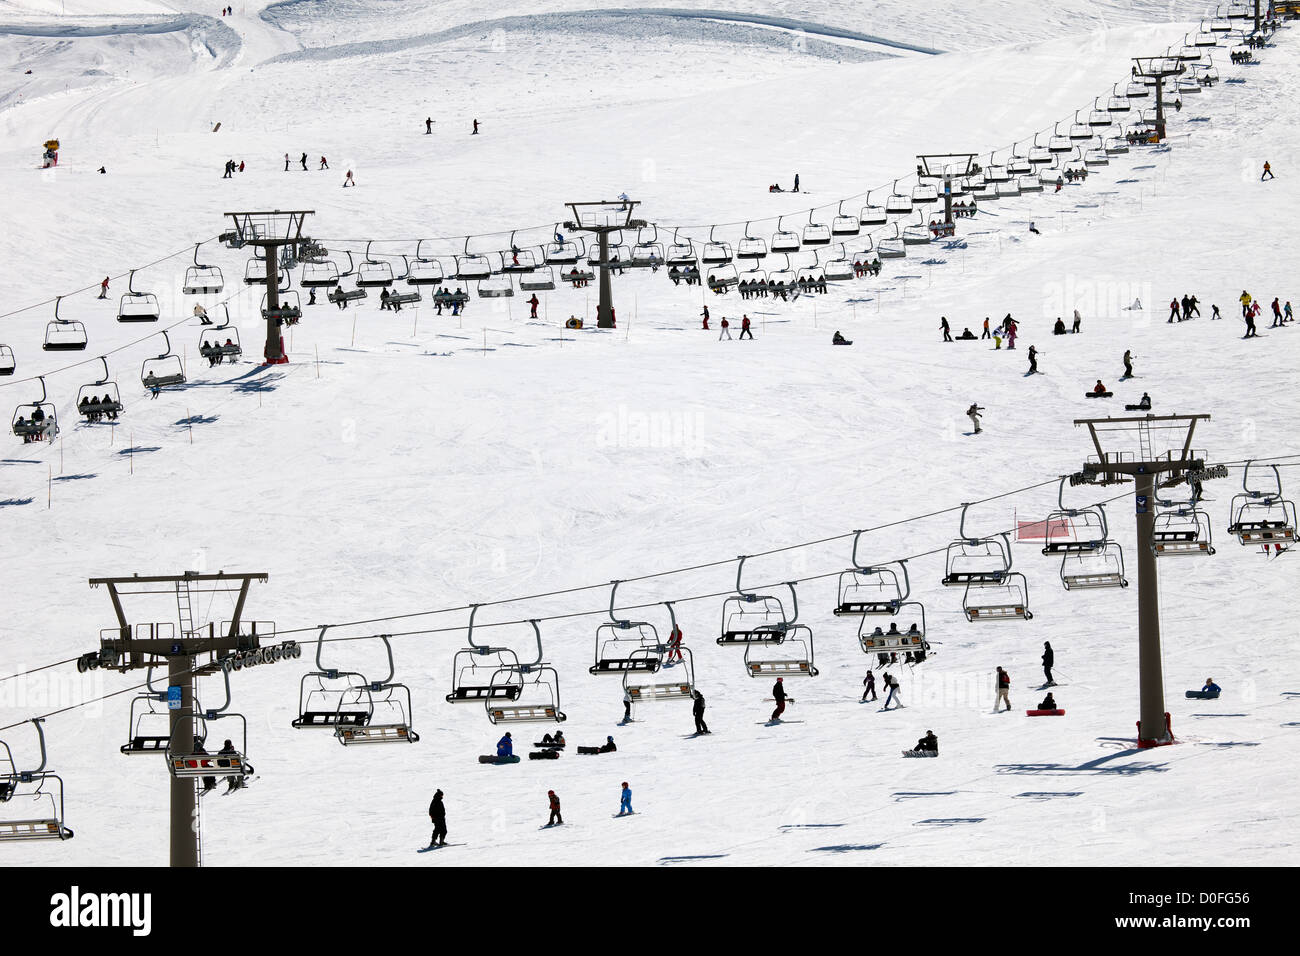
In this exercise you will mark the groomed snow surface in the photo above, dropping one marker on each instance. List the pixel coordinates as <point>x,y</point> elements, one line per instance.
<point>410,461</point>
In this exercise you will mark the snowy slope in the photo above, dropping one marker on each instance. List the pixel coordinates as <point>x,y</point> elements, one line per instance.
<point>412,461</point>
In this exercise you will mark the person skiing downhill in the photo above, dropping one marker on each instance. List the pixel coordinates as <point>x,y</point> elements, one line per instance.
<point>869,685</point>
<point>1245,301</point>
<point>698,710</point>
<point>1174,312</point>
<point>778,694</point>
<point>1004,689</point>
<point>555,810</point>
<point>1277,313</point>
<point>286,162</point>
<point>973,413</point>
<point>1267,173</point>
<point>323,163</point>
<point>625,801</point>
<point>1033,360</point>
<point>533,303</point>
<point>726,330</point>
<point>943,327</point>
<point>303,160</point>
<point>895,695</point>
<point>744,327</point>
<point>1048,659</point>
<point>475,133</point>
<point>438,814</point>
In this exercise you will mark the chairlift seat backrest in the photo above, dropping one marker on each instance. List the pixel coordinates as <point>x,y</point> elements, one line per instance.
<point>675,691</point>
<point>332,718</point>
<point>13,831</point>
<point>376,734</point>
<point>524,713</point>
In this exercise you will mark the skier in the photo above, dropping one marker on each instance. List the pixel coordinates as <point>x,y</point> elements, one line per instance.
<point>533,303</point>
<point>311,300</point>
<point>625,801</point>
<point>475,133</point>
<point>943,326</point>
<point>698,710</point>
<point>1245,301</point>
<point>383,300</point>
<point>348,180</point>
<point>895,695</point>
<point>1048,658</point>
<point>428,126</point>
<point>232,783</point>
<point>744,327</point>
<point>973,413</point>
<point>555,810</point>
<point>103,288</point>
<point>506,746</point>
<point>438,814</point>
<point>230,169</point>
<point>706,318</point>
<point>726,333</point>
<point>778,693</point>
<point>303,160</point>
<point>1012,331</point>
<point>241,165</point>
<point>869,685</point>
<point>1251,332</point>
<point>928,742</point>
<point>986,328</point>
<point>1268,172</point>
<point>1277,314</point>
<point>796,178</point>
<point>1004,689</point>
<point>1192,306</point>
<point>323,163</point>
<point>1128,364</point>
<point>286,162</point>
<point>674,646</point>
<point>1214,313</point>
<point>1033,360</point>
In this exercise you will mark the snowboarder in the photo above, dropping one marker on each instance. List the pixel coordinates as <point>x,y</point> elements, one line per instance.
<point>1012,331</point>
<point>778,694</point>
<point>555,810</point>
<point>796,178</point>
<point>726,333</point>
<point>928,742</point>
<point>1128,364</point>
<point>973,413</point>
<point>1048,702</point>
<point>625,801</point>
<point>506,746</point>
<point>1251,331</point>
<point>943,326</point>
<point>1004,689</point>
<point>303,160</point>
<point>895,695</point>
<point>627,706</point>
<point>744,327</point>
<point>1214,313</point>
<point>1211,687</point>
<point>1033,228</point>
<point>697,710</point>
<point>201,314</point>
<point>869,686</point>
<point>1033,360</point>
<point>438,814</point>
<point>1099,389</point>
<point>230,169</point>
<point>348,180</point>
<point>1268,172</point>
<point>533,303</point>
<point>103,288</point>
<point>323,163</point>
<point>311,300</point>
<point>1048,658</point>
<point>428,126</point>
<point>475,133</point>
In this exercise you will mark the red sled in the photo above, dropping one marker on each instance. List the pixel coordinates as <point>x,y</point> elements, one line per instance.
<point>1059,712</point>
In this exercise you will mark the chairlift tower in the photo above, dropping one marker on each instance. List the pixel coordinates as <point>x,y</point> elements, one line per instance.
<point>602,218</point>
<point>1158,68</point>
<point>142,646</point>
<point>948,166</point>
<point>271,232</point>
<point>1116,466</point>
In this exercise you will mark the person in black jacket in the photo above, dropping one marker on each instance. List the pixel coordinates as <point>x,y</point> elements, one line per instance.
<point>1048,658</point>
<point>928,742</point>
<point>778,694</point>
<point>438,814</point>
<point>700,726</point>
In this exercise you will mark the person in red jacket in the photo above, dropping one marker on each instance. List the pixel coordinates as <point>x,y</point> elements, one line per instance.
<point>726,326</point>
<point>533,303</point>
<point>1174,312</point>
<point>674,645</point>
<point>555,809</point>
<point>744,327</point>
<point>103,288</point>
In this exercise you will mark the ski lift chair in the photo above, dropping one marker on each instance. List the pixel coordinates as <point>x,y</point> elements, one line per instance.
<point>189,760</point>
<point>41,786</point>
<point>149,729</point>
<point>7,362</point>
<point>749,618</point>
<point>624,645</point>
<point>1181,529</point>
<point>540,280</point>
<point>792,656</point>
<point>1100,567</point>
<point>873,638</point>
<point>424,271</point>
<point>65,335</point>
<point>1007,600</point>
<point>320,275</point>
<point>845,224</point>
<point>638,687</point>
<point>202,279</point>
<point>816,233</point>
<point>898,204</point>
<point>784,240</point>
<point>751,247</point>
<point>871,589</point>
<point>100,398</point>
<point>872,215</point>
<point>970,560</point>
<point>481,672</point>
<point>539,698</point>
<point>1263,517</point>
<point>37,421</point>
<point>374,273</point>
<point>715,253</point>
<point>137,306</point>
<point>1082,529</point>
<point>681,253</point>
<point>163,370</point>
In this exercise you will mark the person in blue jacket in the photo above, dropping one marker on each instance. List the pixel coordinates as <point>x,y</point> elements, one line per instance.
<point>505,746</point>
<point>1211,687</point>
<point>625,803</point>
